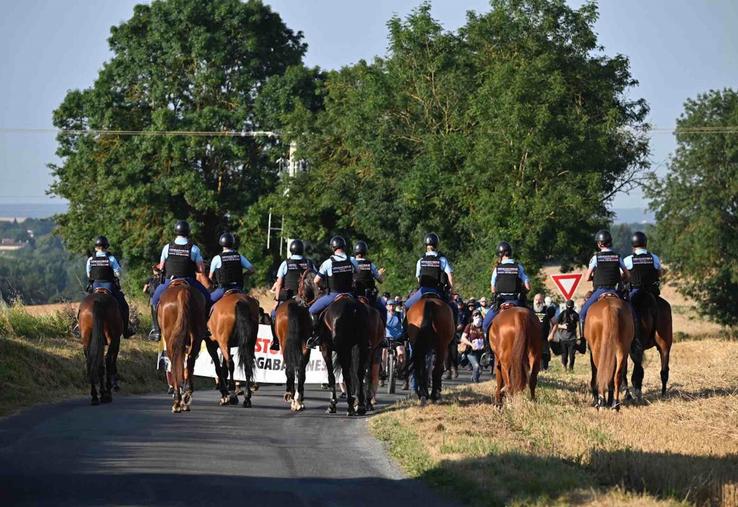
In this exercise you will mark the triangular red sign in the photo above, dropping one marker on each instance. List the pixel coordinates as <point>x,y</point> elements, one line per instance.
<point>567,283</point>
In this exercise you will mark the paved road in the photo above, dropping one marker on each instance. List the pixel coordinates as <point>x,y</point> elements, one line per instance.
<point>135,452</point>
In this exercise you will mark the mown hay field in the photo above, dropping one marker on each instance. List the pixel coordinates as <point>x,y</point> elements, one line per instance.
<point>558,450</point>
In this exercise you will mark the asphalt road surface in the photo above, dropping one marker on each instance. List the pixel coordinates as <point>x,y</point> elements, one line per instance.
<point>136,452</point>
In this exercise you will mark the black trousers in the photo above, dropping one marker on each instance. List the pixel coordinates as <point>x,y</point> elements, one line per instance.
<point>568,353</point>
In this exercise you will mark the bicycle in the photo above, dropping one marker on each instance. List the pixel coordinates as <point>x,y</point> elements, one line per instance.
<point>393,368</point>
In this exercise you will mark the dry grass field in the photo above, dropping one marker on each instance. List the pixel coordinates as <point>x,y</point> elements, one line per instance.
<point>682,449</point>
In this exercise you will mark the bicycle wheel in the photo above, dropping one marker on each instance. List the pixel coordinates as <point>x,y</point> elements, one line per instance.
<point>391,374</point>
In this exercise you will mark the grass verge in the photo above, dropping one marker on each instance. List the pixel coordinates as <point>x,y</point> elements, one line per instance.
<point>680,450</point>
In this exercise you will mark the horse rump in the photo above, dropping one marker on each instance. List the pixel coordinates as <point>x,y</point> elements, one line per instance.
<point>96,346</point>
<point>243,331</point>
<point>293,341</point>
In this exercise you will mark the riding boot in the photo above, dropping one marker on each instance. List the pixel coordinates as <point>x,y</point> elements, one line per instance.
<point>314,340</point>
<point>636,348</point>
<point>275,340</point>
<point>125,316</point>
<point>155,334</point>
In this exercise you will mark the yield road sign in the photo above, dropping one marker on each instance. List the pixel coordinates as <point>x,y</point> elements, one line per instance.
<point>567,283</point>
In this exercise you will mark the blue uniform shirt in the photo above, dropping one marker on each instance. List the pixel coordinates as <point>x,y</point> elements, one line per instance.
<point>113,264</point>
<point>326,269</point>
<point>216,262</point>
<point>282,271</point>
<point>521,272</point>
<point>628,261</point>
<point>195,254</point>
<point>445,265</point>
<point>373,267</point>
<point>593,260</point>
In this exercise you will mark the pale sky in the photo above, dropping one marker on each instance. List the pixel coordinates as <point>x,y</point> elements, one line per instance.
<point>677,49</point>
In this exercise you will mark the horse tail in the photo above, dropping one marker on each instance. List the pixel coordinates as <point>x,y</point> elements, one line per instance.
<point>243,331</point>
<point>519,365</point>
<point>96,347</point>
<point>180,332</point>
<point>607,360</point>
<point>293,341</point>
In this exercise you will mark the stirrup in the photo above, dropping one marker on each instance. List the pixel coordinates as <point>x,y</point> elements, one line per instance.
<point>275,344</point>
<point>313,341</point>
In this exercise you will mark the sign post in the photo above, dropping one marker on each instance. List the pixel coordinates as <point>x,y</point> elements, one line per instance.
<point>567,283</point>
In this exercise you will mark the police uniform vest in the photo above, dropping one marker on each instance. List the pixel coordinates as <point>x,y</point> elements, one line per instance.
<point>430,271</point>
<point>507,280</point>
<point>101,269</point>
<point>295,269</point>
<point>607,273</point>
<point>364,277</point>
<point>230,271</point>
<point>342,275</point>
<point>643,274</point>
<point>179,262</point>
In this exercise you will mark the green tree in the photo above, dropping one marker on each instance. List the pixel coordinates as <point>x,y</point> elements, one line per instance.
<point>515,127</point>
<point>696,206</point>
<point>179,65</point>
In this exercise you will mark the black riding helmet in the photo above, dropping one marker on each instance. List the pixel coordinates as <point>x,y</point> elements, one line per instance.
<point>102,241</point>
<point>603,236</point>
<point>297,247</point>
<point>360,248</point>
<point>337,242</point>
<point>504,248</point>
<point>431,239</point>
<point>182,228</point>
<point>227,240</point>
<point>639,240</point>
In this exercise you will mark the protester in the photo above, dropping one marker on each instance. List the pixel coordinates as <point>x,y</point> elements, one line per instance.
<point>473,339</point>
<point>567,324</point>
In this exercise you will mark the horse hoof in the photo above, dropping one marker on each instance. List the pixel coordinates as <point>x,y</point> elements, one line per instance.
<point>423,401</point>
<point>186,408</point>
<point>330,410</point>
<point>106,399</point>
<point>187,398</point>
<point>361,411</point>
<point>176,409</point>
<point>223,401</point>
<point>288,397</point>
<point>247,403</point>
<point>300,407</point>
<point>233,400</point>
<point>94,401</point>
<point>369,407</point>
<point>615,407</point>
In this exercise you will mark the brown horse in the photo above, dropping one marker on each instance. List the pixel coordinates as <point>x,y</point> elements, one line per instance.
<point>100,324</point>
<point>376,338</point>
<point>233,322</point>
<point>430,328</point>
<point>293,326</point>
<point>609,328</point>
<point>515,338</point>
<point>181,315</point>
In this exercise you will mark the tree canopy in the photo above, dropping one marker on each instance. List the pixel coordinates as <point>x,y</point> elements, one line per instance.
<point>696,206</point>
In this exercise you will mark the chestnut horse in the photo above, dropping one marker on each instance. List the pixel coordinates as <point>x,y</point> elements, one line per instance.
<point>515,338</point>
<point>100,324</point>
<point>292,325</point>
<point>430,328</point>
<point>233,322</point>
<point>182,319</point>
<point>609,328</point>
<point>376,338</point>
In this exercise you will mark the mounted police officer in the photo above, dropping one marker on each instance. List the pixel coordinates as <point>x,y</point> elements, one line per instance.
<point>509,283</point>
<point>181,259</point>
<point>435,275</point>
<point>643,266</point>
<point>288,279</point>
<point>228,268</point>
<point>339,270</point>
<point>365,277</point>
<point>103,271</point>
<point>606,270</point>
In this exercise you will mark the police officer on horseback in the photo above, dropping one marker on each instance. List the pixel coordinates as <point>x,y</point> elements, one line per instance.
<point>103,271</point>
<point>366,276</point>
<point>181,259</point>
<point>643,266</point>
<point>435,275</point>
<point>509,283</point>
<point>339,270</point>
<point>289,274</point>
<point>227,268</point>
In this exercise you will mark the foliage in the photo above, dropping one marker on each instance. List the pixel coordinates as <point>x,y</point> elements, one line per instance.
<point>515,127</point>
<point>622,234</point>
<point>179,65</point>
<point>696,206</point>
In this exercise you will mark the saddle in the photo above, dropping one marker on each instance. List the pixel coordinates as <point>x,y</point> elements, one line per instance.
<point>343,296</point>
<point>232,291</point>
<point>103,290</point>
<point>506,305</point>
<point>431,295</point>
<point>179,281</point>
<point>608,295</point>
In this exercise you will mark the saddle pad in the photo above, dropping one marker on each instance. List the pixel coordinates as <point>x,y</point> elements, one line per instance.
<point>505,306</point>
<point>608,295</point>
<point>179,281</point>
<point>232,291</point>
<point>343,296</point>
<point>103,290</point>
<point>430,295</point>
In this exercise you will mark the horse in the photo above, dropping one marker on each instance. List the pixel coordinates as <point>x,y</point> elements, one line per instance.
<point>345,331</point>
<point>376,331</point>
<point>233,322</point>
<point>292,326</point>
<point>430,327</point>
<point>181,315</point>
<point>100,324</point>
<point>609,328</point>
<point>515,338</point>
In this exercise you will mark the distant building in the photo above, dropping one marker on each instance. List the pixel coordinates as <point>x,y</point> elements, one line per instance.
<point>10,245</point>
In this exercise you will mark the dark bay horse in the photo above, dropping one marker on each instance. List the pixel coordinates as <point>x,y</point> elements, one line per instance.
<point>293,325</point>
<point>346,332</point>
<point>101,325</point>
<point>515,338</point>
<point>430,328</point>
<point>376,330</point>
<point>609,329</point>
<point>233,322</point>
<point>181,314</point>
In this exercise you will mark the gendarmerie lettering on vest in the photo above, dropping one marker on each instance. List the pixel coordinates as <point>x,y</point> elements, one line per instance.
<point>179,261</point>
<point>644,273</point>
<point>230,272</point>
<point>364,278</point>
<point>607,273</point>
<point>342,275</point>
<point>430,271</point>
<point>507,280</point>
<point>101,269</point>
<point>295,269</point>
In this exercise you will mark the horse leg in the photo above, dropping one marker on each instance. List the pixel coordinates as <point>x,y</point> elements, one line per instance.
<point>344,359</point>
<point>364,399</point>
<point>289,391</point>
<point>498,391</point>
<point>664,350</point>
<point>533,377</point>
<point>299,396</point>
<point>598,401</point>
<point>111,364</point>
<point>229,382</point>
<point>437,375</point>
<point>638,373</point>
<point>328,360</point>
<point>621,358</point>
